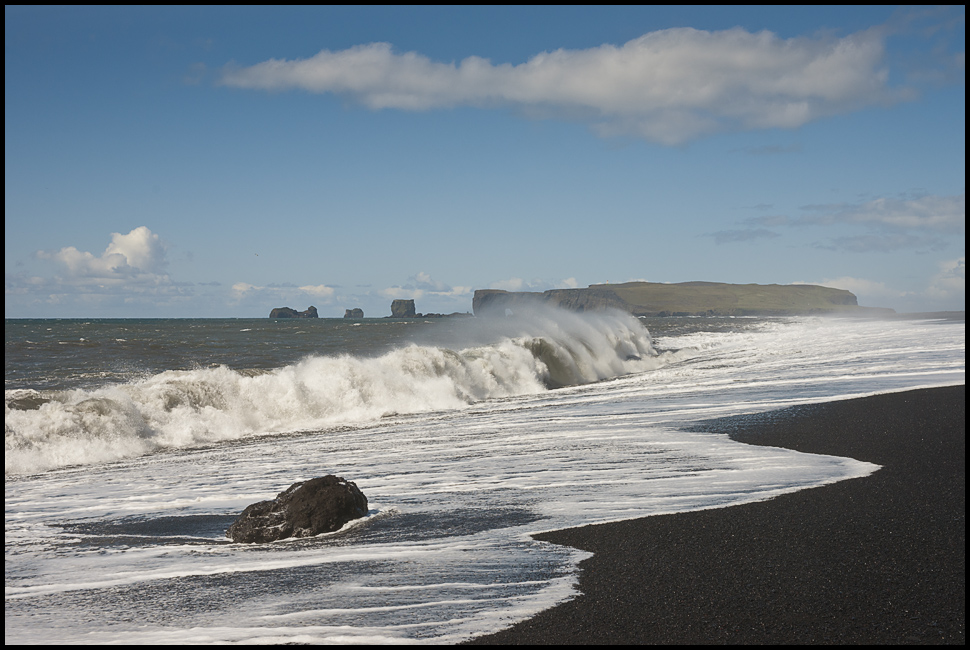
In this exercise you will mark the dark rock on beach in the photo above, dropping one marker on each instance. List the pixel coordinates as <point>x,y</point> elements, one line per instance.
<point>305,509</point>
<point>286,312</point>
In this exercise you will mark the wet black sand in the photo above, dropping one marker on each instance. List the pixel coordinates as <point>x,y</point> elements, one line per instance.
<point>879,559</point>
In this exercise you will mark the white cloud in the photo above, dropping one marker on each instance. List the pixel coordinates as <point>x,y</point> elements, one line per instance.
<point>137,257</point>
<point>128,277</point>
<point>321,291</point>
<point>242,288</point>
<point>668,86</point>
<point>946,290</point>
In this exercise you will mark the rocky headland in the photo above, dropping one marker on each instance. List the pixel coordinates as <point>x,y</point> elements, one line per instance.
<point>657,299</point>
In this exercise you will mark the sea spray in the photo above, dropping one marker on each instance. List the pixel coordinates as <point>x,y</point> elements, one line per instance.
<point>530,353</point>
<point>134,551</point>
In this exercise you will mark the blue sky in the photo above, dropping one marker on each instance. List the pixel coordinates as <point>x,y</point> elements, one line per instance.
<point>174,162</point>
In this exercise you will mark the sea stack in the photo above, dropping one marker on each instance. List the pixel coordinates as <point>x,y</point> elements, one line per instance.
<point>402,309</point>
<point>286,312</point>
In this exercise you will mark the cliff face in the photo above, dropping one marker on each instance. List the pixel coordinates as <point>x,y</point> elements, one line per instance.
<point>402,309</point>
<point>683,299</point>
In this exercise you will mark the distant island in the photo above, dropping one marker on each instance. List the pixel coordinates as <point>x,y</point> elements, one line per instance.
<point>658,299</point>
<point>654,299</point>
<point>286,312</point>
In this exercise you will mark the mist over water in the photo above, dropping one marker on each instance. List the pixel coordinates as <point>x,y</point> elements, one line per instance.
<point>467,436</point>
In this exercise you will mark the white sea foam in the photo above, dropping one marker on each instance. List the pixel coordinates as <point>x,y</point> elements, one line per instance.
<point>177,409</point>
<point>459,490</point>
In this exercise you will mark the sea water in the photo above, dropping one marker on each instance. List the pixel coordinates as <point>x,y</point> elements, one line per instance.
<point>131,445</point>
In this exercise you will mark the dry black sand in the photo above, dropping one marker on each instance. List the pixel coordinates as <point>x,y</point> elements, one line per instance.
<point>879,559</point>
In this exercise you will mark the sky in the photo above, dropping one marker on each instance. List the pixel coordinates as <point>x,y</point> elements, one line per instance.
<point>220,162</point>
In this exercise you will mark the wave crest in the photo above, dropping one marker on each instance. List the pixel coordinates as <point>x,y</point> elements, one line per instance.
<point>528,354</point>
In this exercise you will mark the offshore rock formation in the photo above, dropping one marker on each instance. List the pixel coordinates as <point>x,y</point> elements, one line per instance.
<point>356,312</point>
<point>402,309</point>
<point>405,309</point>
<point>454,314</point>
<point>683,299</point>
<point>305,509</point>
<point>286,312</point>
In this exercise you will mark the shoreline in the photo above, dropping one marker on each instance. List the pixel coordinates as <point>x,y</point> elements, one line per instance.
<point>880,559</point>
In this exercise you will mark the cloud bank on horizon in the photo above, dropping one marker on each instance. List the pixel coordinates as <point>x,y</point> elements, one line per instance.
<point>667,86</point>
<point>129,268</point>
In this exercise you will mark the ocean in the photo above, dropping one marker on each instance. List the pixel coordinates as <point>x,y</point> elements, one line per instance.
<point>131,445</point>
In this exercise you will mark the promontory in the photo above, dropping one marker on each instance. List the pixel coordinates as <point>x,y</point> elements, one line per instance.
<point>684,299</point>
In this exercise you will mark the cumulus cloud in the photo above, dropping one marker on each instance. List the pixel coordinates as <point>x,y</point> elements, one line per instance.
<point>242,288</point>
<point>667,86</point>
<point>130,274</point>
<point>138,257</point>
<point>320,291</point>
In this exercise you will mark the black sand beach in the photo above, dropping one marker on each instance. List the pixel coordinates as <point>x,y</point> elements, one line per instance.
<point>879,559</point>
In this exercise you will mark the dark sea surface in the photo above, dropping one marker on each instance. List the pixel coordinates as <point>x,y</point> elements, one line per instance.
<point>131,445</point>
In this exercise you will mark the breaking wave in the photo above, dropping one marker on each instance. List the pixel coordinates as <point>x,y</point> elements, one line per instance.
<point>183,408</point>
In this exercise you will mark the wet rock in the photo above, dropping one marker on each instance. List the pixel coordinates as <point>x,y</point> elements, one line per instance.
<point>356,312</point>
<point>305,509</point>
